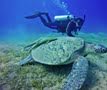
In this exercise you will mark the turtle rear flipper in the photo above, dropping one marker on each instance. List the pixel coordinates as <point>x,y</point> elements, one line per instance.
<point>77,75</point>
<point>26,60</point>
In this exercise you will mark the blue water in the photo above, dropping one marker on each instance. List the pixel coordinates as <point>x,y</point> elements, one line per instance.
<point>14,25</point>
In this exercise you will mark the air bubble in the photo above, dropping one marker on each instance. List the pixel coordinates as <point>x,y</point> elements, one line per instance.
<point>61,5</point>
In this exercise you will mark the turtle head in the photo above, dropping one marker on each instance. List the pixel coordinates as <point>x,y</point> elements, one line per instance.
<point>100,48</point>
<point>95,48</point>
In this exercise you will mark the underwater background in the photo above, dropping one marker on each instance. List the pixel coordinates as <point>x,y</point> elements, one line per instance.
<point>13,24</point>
<point>16,32</point>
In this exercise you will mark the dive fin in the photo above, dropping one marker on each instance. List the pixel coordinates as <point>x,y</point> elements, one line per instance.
<point>35,15</point>
<point>31,17</point>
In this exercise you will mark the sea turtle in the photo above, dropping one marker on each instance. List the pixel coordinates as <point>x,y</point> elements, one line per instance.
<point>61,51</point>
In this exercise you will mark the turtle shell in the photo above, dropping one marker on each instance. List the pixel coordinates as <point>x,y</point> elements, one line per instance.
<point>58,52</point>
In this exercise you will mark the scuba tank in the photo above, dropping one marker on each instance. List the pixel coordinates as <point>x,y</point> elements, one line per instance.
<point>63,17</point>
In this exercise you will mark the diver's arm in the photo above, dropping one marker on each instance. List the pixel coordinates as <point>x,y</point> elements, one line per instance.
<point>70,28</point>
<point>76,31</point>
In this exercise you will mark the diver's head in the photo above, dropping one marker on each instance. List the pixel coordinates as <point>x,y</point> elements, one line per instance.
<point>63,17</point>
<point>80,22</point>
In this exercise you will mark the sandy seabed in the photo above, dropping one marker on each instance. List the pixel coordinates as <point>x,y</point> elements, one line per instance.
<point>42,77</point>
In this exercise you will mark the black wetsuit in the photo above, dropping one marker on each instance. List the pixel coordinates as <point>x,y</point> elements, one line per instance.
<point>61,26</point>
<point>65,26</point>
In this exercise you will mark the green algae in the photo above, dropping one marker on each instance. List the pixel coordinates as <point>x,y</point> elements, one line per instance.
<point>25,77</point>
<point>37,76</point>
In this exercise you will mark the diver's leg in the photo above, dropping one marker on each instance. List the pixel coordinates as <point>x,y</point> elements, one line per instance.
<point>51,25</point>
<point>37,14</point>
<point>47,22</point>
<point>48,17</point>
<point>44,21</point>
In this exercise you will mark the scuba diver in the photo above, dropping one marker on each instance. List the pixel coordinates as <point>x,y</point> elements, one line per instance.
<point>64,23</point>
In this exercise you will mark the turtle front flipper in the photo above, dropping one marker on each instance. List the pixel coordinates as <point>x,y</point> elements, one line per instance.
<point>39,42</point>
<point>26,60</point>
<point>77,75</point>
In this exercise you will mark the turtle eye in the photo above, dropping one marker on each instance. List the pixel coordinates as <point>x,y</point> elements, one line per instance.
<point>104,50</point>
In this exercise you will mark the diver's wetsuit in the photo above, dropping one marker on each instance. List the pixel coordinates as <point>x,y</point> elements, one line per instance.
<point>61,26</point>
<point>65,26</point>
